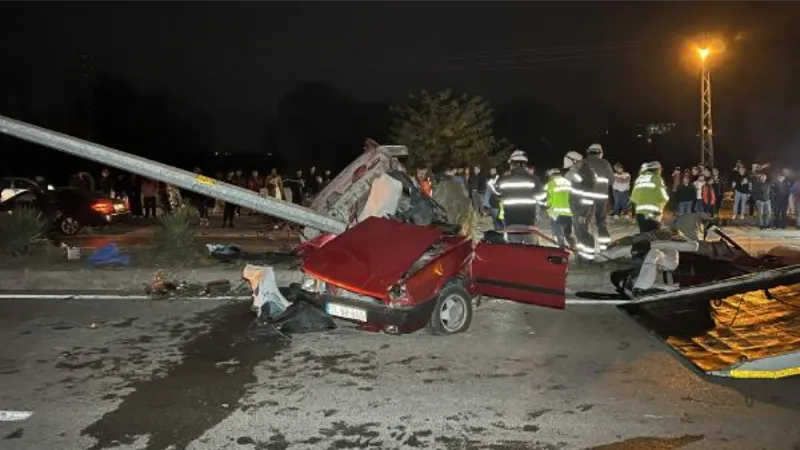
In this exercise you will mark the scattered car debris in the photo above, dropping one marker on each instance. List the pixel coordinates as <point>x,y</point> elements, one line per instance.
<point>108,254</point>
<point>744,327</point>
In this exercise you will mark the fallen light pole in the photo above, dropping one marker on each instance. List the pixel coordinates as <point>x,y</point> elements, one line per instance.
<point>171,175</point>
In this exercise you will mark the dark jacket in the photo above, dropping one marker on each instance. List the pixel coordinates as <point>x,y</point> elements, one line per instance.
<point>781,190</point>
<point>477,182</point>
<point>741,183</point>
<point>686,193</point>
<point>518,186</point>
<point>603,174</point>
<point>761,191</point>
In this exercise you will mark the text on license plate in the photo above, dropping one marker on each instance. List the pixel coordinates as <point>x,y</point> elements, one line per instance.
<point>346,312</point>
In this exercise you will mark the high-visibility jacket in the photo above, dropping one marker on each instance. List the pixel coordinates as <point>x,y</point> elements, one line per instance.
<point>556,196</point>
<point>649,194</point>
<point>517,202</point>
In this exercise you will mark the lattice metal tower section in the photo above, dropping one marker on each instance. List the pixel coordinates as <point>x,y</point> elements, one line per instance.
<point>706,127</point>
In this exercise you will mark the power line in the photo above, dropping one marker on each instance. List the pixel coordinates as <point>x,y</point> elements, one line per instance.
<point>534,63</point>
<point>564,49</point>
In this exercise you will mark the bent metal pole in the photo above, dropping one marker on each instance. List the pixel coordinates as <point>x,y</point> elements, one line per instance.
<point>171,175</point>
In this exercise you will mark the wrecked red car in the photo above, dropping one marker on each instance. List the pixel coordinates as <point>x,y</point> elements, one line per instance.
<point>392,276</point>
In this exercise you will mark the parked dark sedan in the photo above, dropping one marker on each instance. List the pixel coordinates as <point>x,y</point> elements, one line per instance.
<point>67,210</point>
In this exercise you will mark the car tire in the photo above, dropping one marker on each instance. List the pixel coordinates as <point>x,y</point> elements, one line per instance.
<point>69,226</point>
<point>452,300</point>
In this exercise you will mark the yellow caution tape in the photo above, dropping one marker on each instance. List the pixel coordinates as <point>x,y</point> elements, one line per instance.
<point>770,374</point>
<point>205,180</point>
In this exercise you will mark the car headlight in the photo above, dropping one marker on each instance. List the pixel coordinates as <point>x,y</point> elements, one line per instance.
<point>398,296</point>
<point>311,284</point>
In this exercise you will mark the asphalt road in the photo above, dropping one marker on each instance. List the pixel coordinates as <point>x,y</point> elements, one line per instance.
<point>188,375</point>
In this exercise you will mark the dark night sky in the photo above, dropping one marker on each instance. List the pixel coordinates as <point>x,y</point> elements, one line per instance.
<point>235,60</point>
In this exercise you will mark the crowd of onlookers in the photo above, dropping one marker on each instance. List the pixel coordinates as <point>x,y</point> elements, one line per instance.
<point>145,196</point>
<point>758,192</point>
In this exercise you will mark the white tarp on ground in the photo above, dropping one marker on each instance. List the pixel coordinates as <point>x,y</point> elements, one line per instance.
<point>265,290</point>
<point>656,262</point>
<point>384,196</point>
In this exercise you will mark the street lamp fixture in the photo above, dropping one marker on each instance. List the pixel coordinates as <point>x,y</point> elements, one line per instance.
<point>703,53</point>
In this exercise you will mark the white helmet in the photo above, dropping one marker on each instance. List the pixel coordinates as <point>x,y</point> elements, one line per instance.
<point>571,158</point>
<point>552,172</point>
<point>518,156</point>
<point>652,165</point>
<point>595,149</point>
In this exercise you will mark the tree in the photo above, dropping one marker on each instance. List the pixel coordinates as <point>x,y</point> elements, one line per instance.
<point>443,130</point>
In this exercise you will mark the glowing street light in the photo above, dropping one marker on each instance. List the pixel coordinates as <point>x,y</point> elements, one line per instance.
<point>703,53</point>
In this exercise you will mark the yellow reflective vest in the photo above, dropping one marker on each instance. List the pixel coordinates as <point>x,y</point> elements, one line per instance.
<point>649,194</point>
<point>556,197</point>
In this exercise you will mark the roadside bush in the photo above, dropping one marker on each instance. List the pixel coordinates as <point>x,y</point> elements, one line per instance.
<point>21,232</point>
<point>175,239</point>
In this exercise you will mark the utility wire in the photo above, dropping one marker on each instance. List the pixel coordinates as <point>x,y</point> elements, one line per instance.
<point>537,62</point>
<point>564,49</point>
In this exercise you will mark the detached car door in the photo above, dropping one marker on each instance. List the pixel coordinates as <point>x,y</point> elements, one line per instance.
<point>522,273</point>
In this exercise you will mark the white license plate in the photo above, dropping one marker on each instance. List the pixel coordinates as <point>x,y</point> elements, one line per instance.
<point>346,312</point>
<point>118,207</point>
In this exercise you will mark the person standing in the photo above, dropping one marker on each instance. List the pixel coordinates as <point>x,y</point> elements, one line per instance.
<point>149,196</point>
<point>556,199</point>
<point>781,191</point>
<point>621,189</point>
<point>719,190</point>
<point>135,195</point>
<point>649,197</point>
<point>517,198</point>
<point>452,195</point>
<point>477,187</point>
<point>602,174</point>
<point>201,202</point>
<point>760,190</point>
<point>491,198</point>
<point>685,195</point>
<point>580,203</point>
<point>742,188</point>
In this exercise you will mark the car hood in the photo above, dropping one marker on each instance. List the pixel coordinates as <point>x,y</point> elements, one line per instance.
<point>372,256</point>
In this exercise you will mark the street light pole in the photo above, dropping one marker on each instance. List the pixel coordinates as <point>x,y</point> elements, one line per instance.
<point>706,128</point>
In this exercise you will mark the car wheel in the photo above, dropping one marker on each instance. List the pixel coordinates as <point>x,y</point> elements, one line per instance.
<point>69,226</point>
<point>452,313</point>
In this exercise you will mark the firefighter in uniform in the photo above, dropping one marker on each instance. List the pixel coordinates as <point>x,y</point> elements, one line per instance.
<point>556,198</point>
<point>603,174</point>
<point>517,197</point>
<point>581,179</point>
<point>649,197</point>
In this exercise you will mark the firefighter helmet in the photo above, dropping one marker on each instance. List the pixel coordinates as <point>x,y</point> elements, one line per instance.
<point>595,149</point>
<point>652,165</point>
<point>553,172</point>
<point>518,157</point>
<point>571,158</point>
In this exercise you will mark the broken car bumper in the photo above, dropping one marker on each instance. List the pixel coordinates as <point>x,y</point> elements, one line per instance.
<point>377,315</point>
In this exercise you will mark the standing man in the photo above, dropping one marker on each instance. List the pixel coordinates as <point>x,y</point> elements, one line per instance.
<point>621,188</point>
<point>452,195</point>
<point>580,202</point>
<point>491,199</point>
<point>649,197</point>
<point>517,197</point>
<point>556,198</point>
<point>603,174</point>
<point>477,187</point>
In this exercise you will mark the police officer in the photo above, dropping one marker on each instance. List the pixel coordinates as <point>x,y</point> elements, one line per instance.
<point>556,197</point>
<point>603,174</point>
<point>518,190</point>
<point>580,202</point>
<point>649,197</point>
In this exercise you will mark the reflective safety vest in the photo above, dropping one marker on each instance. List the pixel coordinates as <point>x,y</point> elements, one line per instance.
<point>556,196</point>
<point>649,194</point>
<point>517,198</point>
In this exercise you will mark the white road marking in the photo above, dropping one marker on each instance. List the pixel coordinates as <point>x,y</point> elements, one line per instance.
<point>14,416</point>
